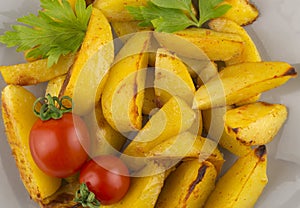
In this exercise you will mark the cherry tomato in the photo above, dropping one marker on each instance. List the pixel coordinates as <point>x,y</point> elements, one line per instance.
<point>107,177</point>
<point>57,146</point>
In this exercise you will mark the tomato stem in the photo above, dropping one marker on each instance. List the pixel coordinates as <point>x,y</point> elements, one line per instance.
<point>52,107</point>
<point>86,198</point>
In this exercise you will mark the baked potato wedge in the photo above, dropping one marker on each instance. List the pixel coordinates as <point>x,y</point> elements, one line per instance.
<point>255,124</point>
<point>243,183</point>
<point>123,94</point>
<point>250,52</point>
<point>188,186</point>
<point>35,72</point>
<point>241,81</point>
<point>242,12</point>
<point>18,117</point>
<point>172,78</point>
<point>85,79</point>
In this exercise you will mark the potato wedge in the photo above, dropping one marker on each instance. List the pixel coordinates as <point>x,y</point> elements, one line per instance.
<point>115,10</point>
<point>242,12</point>
<point>172,78</point>
<point>18,120</point>
<point>255,124</point>
<point>172,119</point>
<point>229,45</point>
<point>35,72</point>
<point>243,183</point>
<point>123,94</point>
<point>250,52</point>
<point>144,189</point>
<point>188,186</point>
<point>241,81</point>
<point>85,80</point>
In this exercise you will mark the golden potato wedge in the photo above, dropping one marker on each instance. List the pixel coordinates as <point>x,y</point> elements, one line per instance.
<point>242,12</point>
<point>255,124</point>
<point>35,72</point>
<point>241,81</point>
<point>188,186</point>
<point>172,78</point>
<point>115,10</point>
<point>144,189</point>
<point>123,94</point>
<point>250,52</point>
<point>86,78</point>
<point>229,45</point>
<point>54,85</point>
<point>18,117</point>
<point>188,146</point>
<point>172,119</point>
<point>243,183</point>
<point>104,139</point>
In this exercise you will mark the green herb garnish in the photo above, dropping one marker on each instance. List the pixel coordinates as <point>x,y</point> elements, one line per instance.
<point>56,30</point>
<point>175,15</point>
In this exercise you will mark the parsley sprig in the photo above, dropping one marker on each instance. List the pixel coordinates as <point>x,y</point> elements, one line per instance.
<point>175,15</point>
<point>56,30</point>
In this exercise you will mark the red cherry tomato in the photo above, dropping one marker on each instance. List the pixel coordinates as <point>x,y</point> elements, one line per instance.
<point>107,177</point>
<point>57,146</point>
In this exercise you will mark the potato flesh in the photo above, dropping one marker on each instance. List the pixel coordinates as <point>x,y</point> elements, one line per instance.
<point>18,119</point>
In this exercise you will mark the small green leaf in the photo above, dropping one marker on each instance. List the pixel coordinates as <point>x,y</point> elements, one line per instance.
<point>174,4</point>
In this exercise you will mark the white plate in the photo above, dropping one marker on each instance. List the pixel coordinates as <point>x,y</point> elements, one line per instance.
<point>276,34</point>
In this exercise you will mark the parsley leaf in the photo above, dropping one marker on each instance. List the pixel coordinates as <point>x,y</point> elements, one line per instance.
<point>56,30</point>
<point>175,15</point>
<point>210,9</point>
